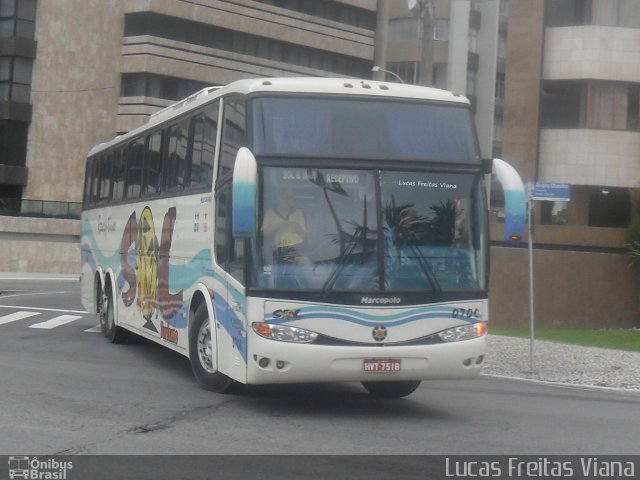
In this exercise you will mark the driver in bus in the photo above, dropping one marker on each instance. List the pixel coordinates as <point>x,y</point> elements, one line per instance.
<point>286,227</point>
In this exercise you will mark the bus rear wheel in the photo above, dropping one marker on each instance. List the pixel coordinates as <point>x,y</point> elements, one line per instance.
<point>202,351</point>
<point>391,389</point>
<point>110,330</point>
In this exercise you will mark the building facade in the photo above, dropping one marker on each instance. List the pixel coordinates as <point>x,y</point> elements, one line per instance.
<point>572,117</point>
<point>467,39</point>
<point>74,73</point>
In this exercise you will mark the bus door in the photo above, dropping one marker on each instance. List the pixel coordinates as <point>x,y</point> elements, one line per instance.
<point>229,300</point>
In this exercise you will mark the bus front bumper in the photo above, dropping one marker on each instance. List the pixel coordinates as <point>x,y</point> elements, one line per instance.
<point>272,362</point>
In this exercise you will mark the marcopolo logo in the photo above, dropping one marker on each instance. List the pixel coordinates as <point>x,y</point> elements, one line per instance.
<point>380,300</point>
<point>36,469</point>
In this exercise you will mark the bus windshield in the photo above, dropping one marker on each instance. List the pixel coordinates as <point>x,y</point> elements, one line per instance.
<point>352,128</point>
<point>370,230</point>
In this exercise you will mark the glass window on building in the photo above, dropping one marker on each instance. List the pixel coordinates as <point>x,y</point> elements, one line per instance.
<point>612,105</point>
<point>26,10</point>
<point>616,13</point>
<point>502,45</point>
<point>441,29</point>
<point>5,69</point>
<point>473,40</point>
<point>472,82</point>
<point>504,8</point>
<point>7,8</point>
<point>500,86</point>
<point>402,29</point>
<point>407,71</point>
<point>553,213</point>
<point>15,79</point>
<point>17,18</point>
<point>609,207</point>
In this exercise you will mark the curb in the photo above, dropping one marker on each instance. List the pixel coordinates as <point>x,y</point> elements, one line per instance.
<point>574,386</point>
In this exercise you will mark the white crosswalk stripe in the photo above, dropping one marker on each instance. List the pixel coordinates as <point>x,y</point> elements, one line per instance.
<point>56,322</point>
<point>61,319</point>
<point>13,317</point>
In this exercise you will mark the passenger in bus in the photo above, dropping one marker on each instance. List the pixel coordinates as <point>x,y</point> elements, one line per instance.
<point>285,227</point>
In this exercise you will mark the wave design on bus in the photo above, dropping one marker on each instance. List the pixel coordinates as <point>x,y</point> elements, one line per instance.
<point>370,320</point>
<point>142,263</point>
<point>227,317</point>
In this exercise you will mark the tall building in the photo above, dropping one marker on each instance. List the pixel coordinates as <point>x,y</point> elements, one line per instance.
<point>74,73</point>
<point>468,43</point>
<point>572,117</point>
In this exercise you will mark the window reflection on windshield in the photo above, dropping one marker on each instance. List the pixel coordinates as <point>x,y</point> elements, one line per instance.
<point>320,229</point>
<point>429,231</point>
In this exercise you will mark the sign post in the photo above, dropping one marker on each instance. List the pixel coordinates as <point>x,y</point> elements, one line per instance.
<point>555,192</point>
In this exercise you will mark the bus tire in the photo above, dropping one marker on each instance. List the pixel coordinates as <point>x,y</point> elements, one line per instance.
<point>110,330</point>
<point>391,389</point>
<point>201,351</point>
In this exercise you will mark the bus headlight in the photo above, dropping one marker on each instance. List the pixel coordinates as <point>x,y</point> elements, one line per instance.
<point>464,332</point>
<point>284,333</point>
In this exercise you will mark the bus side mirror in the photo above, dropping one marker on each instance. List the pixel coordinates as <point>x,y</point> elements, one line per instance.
<point>244,189</point>
<point>515,201</point>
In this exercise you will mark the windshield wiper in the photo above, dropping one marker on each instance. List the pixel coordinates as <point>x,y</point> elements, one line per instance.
<point>423,262</point>
<point>351,245</point>
<point>361,232</point>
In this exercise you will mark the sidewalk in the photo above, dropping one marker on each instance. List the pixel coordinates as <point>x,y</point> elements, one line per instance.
<point>563,363</point>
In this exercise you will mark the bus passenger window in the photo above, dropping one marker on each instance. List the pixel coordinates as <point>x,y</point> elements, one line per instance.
<point>88,179</point>
<point>229,251</point>
<point>177,155</point>
<point>233,135</point>
<point>119,174</point>
<point>104,181</point>
<point>205,129</point>
<point>153,162</point>
<point>134,170</point>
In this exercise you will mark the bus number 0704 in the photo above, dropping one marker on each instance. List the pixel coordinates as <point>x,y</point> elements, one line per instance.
<point>465,313</point>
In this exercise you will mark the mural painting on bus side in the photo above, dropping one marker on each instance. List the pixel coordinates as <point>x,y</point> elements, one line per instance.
<point>148,279</point>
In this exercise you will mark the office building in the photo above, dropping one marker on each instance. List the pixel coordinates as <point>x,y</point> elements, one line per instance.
<point>572,118</point>
<point>468,43</point>
<point>74,73</point>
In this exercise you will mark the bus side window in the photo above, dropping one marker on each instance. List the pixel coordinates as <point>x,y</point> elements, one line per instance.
<point>119,174</point>
<point>178,136</point>
<point>134,170</point>
<point>229,252</point>
<point>88,179</point>
<point>105,166</point>
<point>95,179</point>
<point>233,135</point>
<point>205,129</point>
<point>152,164</point>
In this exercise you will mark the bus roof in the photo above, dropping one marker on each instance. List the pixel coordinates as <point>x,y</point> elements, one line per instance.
<point>311,85</point>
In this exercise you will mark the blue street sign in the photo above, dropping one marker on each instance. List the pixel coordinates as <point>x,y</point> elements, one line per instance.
<point>556,192</point>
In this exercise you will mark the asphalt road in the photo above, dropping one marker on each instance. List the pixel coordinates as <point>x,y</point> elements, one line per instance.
<point>65,390</point>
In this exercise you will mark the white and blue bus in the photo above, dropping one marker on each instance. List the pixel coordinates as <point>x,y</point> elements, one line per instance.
<point>288,230</point>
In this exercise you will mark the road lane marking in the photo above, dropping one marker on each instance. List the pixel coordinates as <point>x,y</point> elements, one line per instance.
<point>31,294</point>
<point>96,329</point>
<point>43,309</point>
<point>13,317</point>
<point>56,322</point>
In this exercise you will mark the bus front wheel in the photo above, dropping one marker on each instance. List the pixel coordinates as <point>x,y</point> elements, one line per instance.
<point>202,352</point>
<point>391,389</point>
